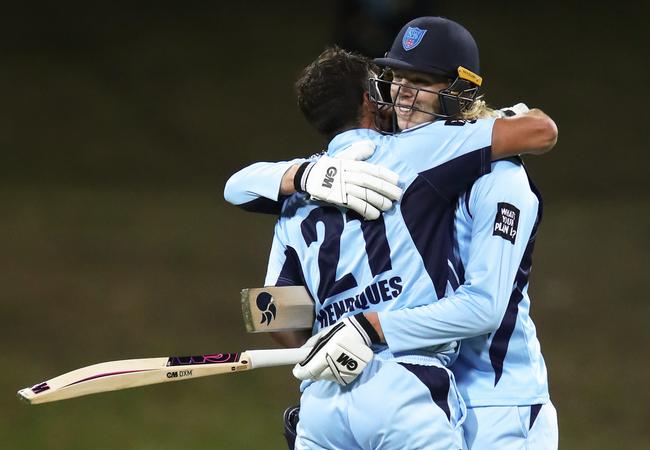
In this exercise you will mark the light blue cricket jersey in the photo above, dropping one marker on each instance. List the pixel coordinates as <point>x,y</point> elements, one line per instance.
<point>399,260</point>
<point>501,368</point>
<point>495,224</point>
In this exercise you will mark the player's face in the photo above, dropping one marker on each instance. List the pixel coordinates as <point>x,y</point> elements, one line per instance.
<point>415,95</point>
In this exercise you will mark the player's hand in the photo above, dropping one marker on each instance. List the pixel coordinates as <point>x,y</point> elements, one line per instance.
<point>358,151</point>
<point>340,353</point>
<point>513,110</point>
<point>362,187</point>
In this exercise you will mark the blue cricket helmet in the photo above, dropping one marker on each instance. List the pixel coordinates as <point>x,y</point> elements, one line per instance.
<point>433,45</point>
<point>436,46</point>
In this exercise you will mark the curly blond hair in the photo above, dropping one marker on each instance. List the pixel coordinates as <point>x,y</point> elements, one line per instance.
<point>479,110</point>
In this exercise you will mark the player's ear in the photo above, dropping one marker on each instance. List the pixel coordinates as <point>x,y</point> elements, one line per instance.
<point>368,104</point>
<point>375,117</point>
<point>368,111</point>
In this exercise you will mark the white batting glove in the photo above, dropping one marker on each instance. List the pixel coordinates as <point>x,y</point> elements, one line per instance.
<point>362,187</point>
<point>513,110</point>
<point>358,151</point>
<point>340,353</point>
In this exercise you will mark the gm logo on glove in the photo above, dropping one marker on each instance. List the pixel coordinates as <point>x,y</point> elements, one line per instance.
<point>346,361</point>
<point>329,177</point>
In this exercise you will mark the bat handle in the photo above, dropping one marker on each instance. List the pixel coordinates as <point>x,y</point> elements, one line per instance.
<point>276,357</point>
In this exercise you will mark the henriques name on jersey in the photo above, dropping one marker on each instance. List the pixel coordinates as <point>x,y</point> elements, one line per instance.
<point>380,291</point>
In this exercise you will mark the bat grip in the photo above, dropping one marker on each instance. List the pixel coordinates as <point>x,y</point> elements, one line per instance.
<point>276,357</point>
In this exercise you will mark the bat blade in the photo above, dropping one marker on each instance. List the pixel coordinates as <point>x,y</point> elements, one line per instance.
<point>282,308</point>
<point>129,373</point>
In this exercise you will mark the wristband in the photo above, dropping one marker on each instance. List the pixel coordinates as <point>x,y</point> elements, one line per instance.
<point>298,184</point>
<point>368,328</point>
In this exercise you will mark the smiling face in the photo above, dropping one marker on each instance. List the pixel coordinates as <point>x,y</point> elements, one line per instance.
<point>415,95</point>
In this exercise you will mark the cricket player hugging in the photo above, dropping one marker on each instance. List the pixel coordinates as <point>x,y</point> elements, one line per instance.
<point>364,394</point>
<point>385,333</point>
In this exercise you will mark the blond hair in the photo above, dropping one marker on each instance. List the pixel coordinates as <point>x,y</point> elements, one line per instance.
<point>479,110</point>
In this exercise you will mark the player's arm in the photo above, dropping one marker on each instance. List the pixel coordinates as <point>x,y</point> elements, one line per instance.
<point>258,187</point>
<point>532,132</point>
<point>486,139</point>
<point>495,257</point>
<point>288,182</point>
<point>345,181</point>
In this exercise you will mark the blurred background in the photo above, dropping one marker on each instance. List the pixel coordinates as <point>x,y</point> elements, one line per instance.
<point>120,123</point>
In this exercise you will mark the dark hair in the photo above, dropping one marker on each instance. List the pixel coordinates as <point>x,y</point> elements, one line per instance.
<point>330,90</point>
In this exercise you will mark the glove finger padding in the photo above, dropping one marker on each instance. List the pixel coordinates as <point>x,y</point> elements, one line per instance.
<point>519,108</point>
<point>311,342</point>
<point>358,151</point>
<point>513,110</point>
<point>375,183</point>
<point>369,196</point>
<point>362,207</point>
<point>372,169</point>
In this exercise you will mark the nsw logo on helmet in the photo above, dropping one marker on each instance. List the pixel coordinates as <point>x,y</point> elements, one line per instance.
<point>412,38</point>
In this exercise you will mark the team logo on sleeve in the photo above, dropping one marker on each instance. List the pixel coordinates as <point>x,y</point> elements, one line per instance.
<point>506,222</point>
<point>412,38</point>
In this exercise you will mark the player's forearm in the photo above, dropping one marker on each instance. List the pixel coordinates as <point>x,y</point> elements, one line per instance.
<point>287,185</point>
<point>476,308</point>
<point>545,130</point>
<point>373,318</point>
<point>262,179</point>
<point>473,320</point>
<point>443,321</point>
<point>532,132</point>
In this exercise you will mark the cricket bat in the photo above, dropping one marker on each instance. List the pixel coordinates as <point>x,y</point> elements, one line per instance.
<point>283,308</point>
<point>129,373</point>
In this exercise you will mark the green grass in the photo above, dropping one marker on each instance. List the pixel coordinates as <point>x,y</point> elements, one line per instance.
<point>101,275</point>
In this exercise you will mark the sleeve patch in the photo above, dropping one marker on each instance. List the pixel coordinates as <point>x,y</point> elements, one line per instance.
<point>506,222</point>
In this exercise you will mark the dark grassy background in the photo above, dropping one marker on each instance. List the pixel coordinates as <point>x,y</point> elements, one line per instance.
<point>119,126</point>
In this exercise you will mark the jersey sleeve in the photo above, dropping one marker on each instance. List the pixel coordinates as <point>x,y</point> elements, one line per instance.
<point>441,141</point>
<point>449,155</point>
<point>504,212</point>
<point>257,187</point>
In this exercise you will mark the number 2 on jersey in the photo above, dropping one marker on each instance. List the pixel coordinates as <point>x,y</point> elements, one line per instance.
<point>376,246</point>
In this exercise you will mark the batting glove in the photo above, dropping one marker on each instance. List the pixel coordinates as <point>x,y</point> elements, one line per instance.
<point>358,151</point>
<point>340,353</point>
<point>514,110</point>
<point>362,187</point>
